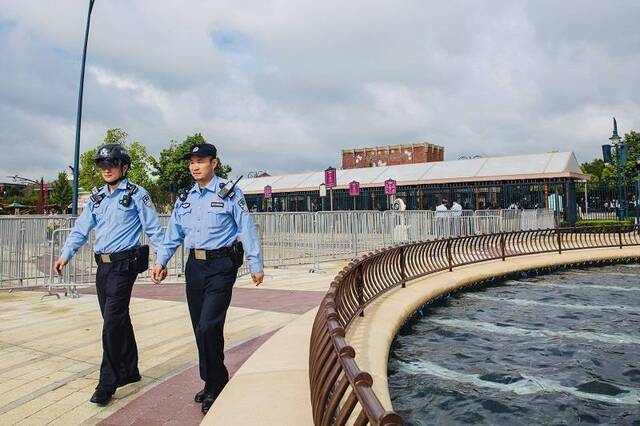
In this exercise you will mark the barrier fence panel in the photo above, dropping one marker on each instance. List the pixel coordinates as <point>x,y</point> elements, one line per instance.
<point>333,235</point>
<point>81,269</point>
<point>368,231</point>
<point>30,244</point>
<point>25,249</point>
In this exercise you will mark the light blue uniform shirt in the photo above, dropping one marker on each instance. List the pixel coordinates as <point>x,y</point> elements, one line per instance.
<point>206,221</point>
<point>118,228</point>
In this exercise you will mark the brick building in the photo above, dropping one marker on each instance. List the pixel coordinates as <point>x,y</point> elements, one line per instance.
<point>391,155</point>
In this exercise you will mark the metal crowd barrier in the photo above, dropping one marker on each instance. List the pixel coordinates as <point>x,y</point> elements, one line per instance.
<point>30,244</point>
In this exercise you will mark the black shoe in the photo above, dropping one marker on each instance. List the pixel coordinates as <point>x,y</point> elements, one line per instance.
<point>200,396</point>
<point>207,402</point>
<point>130,379</point>
<point>101,397</point>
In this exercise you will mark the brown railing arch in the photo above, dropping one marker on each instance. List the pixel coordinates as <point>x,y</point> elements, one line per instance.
<point>341,393</point>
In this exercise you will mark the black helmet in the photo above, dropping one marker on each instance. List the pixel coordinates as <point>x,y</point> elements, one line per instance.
<point>113,154</point>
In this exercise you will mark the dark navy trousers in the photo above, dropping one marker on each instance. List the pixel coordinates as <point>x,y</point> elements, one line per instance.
<point>209,285</point>
<point>114,282</point>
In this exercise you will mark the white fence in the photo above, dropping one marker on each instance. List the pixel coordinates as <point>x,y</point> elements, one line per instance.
<point>30,244</point>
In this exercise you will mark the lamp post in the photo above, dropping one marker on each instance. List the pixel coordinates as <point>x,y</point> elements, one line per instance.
<point>76,154</point>
<point>620,148</point>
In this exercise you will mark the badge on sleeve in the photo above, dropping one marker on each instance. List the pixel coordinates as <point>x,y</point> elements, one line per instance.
<point>243,205</point>
<point>147,200</point>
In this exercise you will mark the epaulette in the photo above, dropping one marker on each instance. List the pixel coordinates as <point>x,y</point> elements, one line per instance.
<point>183,193</point>
<point>132,188</point>
<point>126,198</point>
<point>96,197</point>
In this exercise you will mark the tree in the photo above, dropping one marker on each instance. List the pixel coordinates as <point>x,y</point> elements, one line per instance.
<point>602,174</point>
<point>172,170</point>
<point>595,169</point>
<point>61,192</point>
<point>28,196</point>
<point>630,172</point>
<point>142,164</point>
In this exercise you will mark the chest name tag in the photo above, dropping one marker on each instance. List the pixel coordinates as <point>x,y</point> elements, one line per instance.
<point>185,205</point>
<point>217,204</point>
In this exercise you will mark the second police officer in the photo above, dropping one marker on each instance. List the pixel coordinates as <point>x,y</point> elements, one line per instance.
<point>119,211</point>
<point>213,221</point>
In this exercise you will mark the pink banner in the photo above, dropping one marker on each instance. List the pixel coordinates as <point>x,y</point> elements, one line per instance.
<point>390,187</point>
<point>330,177</point>
<point>267,191</point>
<point>354,188</point>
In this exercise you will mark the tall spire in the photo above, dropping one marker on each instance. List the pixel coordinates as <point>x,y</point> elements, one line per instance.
<point>615,139</point>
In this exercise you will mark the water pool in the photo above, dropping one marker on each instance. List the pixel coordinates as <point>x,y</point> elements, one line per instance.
<point>562,348</point>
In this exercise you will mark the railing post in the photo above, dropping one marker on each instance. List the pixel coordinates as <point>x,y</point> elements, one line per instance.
<point>383,220</point>
<point>502,244</point>
<point>279,228</point>
<point>20,254</point>
<point>354,231</point>
<point>360,287</point>
<point>449,259</point>
<point>559,240</point>
<point>620,236</point>
<point>316,246</point>
<point>403,274</point>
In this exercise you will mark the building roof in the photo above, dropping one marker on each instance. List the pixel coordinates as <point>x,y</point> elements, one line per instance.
<point>515,167</point>
<point>10,182</point>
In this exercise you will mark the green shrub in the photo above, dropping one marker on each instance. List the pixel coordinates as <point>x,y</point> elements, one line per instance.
<point>608,225</point>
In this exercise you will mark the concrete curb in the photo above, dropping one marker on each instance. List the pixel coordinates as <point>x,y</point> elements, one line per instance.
<point>272,386</point>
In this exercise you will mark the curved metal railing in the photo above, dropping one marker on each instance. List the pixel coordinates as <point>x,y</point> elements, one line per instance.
<point>342,393</point>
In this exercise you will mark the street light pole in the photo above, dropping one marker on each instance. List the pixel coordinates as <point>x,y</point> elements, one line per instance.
<point>76,154</point>
<point>621,159</point>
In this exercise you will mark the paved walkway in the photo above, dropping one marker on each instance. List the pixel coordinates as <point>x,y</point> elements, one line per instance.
<point>274,382</point>
<point>50,350</point>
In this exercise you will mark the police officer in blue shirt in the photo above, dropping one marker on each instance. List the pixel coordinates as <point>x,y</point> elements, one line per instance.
<point>212,220</point>
<point>119,211</point>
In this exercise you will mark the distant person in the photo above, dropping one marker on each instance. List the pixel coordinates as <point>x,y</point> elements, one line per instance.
<point>456,212</point>
<point>456,208</point>
<point>442,209</point>
<point>442,213</point>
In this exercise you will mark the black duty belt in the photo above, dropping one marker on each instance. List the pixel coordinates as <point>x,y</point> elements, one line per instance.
<point>202,254</point>
<point>115,257</point>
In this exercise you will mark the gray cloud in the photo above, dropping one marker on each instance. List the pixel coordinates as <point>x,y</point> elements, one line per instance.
<point>283,86</point>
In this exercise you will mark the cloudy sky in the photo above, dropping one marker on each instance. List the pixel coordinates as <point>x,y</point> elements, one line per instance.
<point>284,85</point>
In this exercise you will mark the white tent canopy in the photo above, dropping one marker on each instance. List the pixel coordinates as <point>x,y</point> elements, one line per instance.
<point>534,166</point>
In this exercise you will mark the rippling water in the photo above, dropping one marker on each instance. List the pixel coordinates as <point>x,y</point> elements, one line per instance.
<point>556,349</point>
